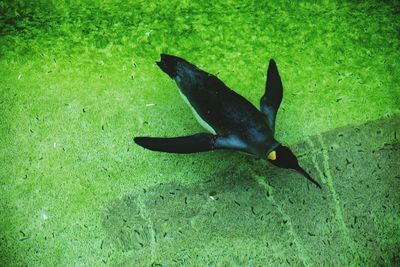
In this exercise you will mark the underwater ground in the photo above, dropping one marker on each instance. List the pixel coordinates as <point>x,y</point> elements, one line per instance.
<point>78,82</point>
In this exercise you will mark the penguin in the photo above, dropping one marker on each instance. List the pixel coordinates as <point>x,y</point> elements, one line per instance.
<point>231,120</point>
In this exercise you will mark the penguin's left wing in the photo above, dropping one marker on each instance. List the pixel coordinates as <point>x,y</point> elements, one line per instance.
<point>200,142</point>
<point>271,100</point>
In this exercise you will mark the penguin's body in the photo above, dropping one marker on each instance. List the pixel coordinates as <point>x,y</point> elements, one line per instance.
<point>233,122</point>
<point>219,109</point>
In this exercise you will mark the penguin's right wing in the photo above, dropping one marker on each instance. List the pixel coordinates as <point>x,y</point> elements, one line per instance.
<point>271,100</point>
<point>200,142</point>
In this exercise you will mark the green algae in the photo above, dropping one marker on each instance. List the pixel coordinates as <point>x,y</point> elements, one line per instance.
<point>78,81</point>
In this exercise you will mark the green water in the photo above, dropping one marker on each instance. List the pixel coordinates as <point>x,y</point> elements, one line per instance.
<point>78,82</point>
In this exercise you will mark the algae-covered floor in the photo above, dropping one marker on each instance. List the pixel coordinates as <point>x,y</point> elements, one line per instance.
<point>78,82</point>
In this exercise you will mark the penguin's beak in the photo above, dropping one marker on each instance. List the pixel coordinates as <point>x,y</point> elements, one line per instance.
<point>305,174</point>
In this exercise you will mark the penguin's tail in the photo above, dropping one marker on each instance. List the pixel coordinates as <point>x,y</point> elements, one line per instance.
<point>169,64</point>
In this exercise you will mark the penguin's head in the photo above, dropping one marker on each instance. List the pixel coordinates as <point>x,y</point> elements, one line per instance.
<point>283,157</point>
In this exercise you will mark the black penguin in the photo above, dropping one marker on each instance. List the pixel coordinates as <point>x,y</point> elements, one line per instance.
<point>233,122</point>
